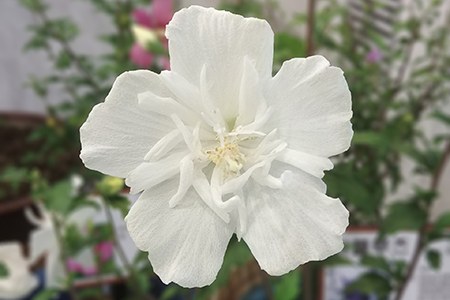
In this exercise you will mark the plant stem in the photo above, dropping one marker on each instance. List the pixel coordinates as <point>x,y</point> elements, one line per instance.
<point>421,243</point>
<point>310,27</point>
<point>63,256</point>
<point>66,47</point>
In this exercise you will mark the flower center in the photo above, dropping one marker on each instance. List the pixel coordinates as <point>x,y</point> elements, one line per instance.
<point>228,157</point>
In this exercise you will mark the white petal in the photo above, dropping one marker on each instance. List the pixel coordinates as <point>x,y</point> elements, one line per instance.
<point>118,133</point>
<point>314,165</point>
<point>312,106</point>
<point>220,40</point>
<point>164,145</point>
<point>166,106</point>
<point>185,92</point>
<point>251,100</point>
<point>290,226</point>
<point>186,178</point>
<point>149,174</point>
<point>186,244</point>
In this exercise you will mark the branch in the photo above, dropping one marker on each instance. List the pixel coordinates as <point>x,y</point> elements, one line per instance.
<point>63,256</point>
<point>66,47</point>
<point>421,243</point>
<point>310,27</point>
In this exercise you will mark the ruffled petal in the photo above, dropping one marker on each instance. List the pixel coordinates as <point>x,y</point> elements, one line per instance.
<point>149,174</point>
<point>220,41</point>
<point>312,106</point>
<point>290,226</point>
<point>186,244</point>
<point>119,133</point>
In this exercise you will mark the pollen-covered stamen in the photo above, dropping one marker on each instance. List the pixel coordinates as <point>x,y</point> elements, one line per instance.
<point>228,157</point>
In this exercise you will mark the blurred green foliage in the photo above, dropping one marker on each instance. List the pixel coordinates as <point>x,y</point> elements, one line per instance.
<point>3,271</point>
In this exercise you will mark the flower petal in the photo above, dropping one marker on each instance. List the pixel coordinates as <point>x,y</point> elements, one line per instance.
<point>140,56</point>
<point>142,17</point>
<point>162,12</point>
<point>314,165</point>
<point>186,244</point>
<point>290,226</point>
<point>149,174</point>
<point>220,40</point>
<point>119,133</point>
<point>312,106</point>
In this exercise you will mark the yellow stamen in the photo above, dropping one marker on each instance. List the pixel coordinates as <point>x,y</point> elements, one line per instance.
<point>228,157</point>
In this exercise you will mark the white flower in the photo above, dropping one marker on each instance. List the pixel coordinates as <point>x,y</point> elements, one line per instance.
<point>19,282</point>
<point>218,146</point>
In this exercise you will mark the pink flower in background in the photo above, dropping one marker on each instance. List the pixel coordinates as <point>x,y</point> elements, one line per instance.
<point>158,17</point>
<point>89,271</point>
<point>74,266</point>
<point>140,56</point>
<point>374,55</point>
<point>104,250</point>
<point>153,21</point>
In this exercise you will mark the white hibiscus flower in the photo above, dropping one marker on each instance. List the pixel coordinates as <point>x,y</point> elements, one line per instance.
<point>218,146</point>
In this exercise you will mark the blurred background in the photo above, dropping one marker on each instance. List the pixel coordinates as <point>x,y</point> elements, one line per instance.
<point>62,234</point>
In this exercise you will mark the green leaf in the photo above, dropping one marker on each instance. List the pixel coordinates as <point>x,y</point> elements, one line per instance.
<point>63,61</point>
<point>398,269</point>
<point>33,5</point>
<point>287,46</point>
<point>376,262</point>
<point>74,240</point>
<point>39,86</point>
<point>346,183</point>
<point>404,215</point>
<point>337,260</point>
<point>58,197</point>
<point>14,177</point>
<point>369,138</point>
<point>170,292</point>
<point>440,226</point>
<point>288,287</point>
<point>3,271</point>
<point>119,202</point>
<point>104,5</point>
<point>425,196</point>
<point>427,160</point>
<point>443,222</point>
<point>142,282</point>
<point>46,295</point>
<point>442,117</point>
<point>434,258</point>
<point>38,41</point>
<point>156,48</point>
<point>83,202</point>
<point>63,29</point>
<point>371,283</point>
